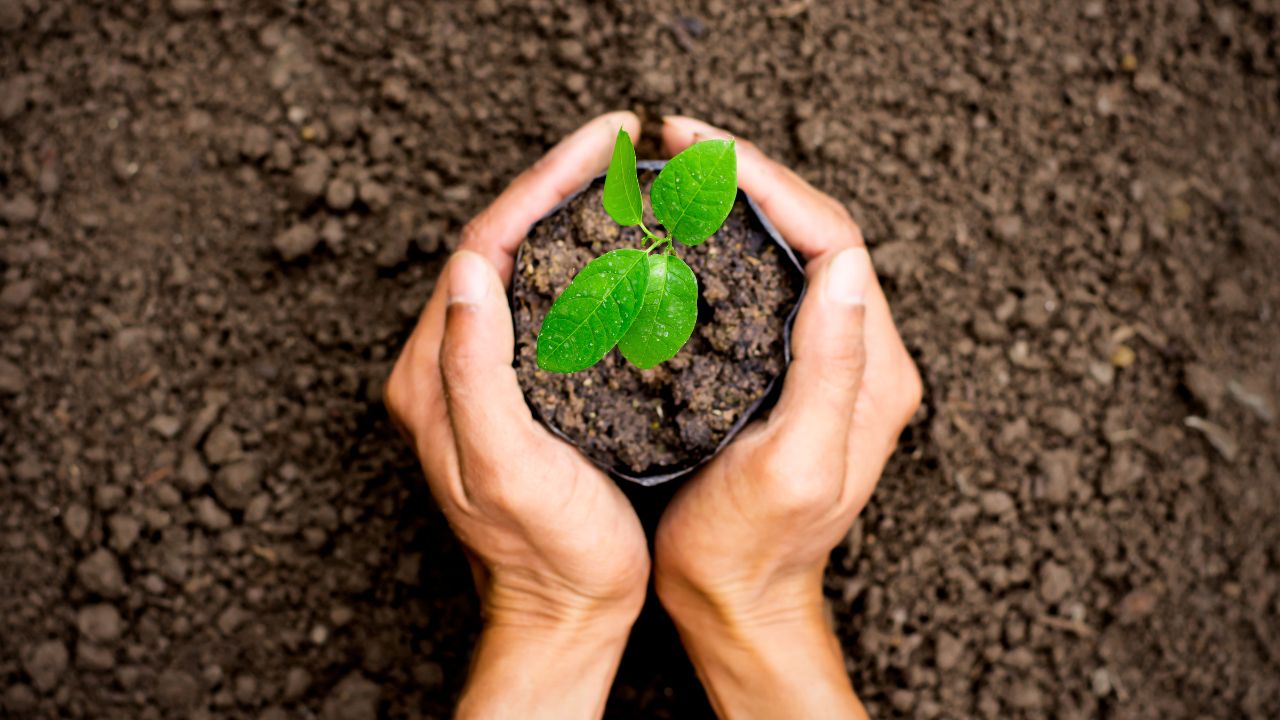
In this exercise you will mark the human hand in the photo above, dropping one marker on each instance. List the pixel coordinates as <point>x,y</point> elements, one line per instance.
<point>740,551</point>
<point>560,559</point>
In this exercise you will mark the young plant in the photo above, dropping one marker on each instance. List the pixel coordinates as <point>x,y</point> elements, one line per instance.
<point>644,301</point>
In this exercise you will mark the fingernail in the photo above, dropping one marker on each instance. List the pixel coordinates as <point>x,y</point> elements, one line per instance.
<point>847,277</point>
<point>468,278</point>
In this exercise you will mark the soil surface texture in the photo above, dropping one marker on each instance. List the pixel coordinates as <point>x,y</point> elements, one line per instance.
<point>219,221</point>
<point>678,413</point>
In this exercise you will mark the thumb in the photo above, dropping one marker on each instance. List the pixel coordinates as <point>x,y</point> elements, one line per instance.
<point>486,406</point>
<point>829,355</point>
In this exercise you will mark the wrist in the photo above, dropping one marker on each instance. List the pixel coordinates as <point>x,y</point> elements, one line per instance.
<point>763,653</point>
<point>542,668</point>
<point>546,650</point>
<point>743,606</point>
<point>525,603</point>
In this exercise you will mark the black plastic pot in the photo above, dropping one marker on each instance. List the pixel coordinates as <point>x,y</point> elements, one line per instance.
<point>766,401</point>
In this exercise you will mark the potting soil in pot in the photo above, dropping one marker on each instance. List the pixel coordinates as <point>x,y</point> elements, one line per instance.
<point>679,411</point>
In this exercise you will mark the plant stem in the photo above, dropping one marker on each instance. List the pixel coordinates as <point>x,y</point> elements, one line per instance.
<point>661,243</point>
<point>657,242</point>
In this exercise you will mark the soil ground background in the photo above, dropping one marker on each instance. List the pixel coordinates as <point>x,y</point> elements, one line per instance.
<point>218,221</point>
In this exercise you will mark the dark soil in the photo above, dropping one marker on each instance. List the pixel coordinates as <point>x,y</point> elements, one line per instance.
<point>205,513</point>
<point>676,414</point>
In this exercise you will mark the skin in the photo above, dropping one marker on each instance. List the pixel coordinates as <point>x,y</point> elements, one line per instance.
<point>740,551</point>
<point>560,560</point>
<point>559,557</point>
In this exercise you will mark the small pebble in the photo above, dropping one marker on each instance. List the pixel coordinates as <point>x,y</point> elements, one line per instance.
<point>1122,356</point>
<point>296,242</point>
<point>76,521</point>
<point>100,573</point>
<point>99,623</point>
<point>45,664</point>
<point>996,502</point>
<point>20,210</point>
<point>340,195</point>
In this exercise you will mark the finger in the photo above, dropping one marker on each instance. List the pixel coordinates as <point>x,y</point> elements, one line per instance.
<point>815,224</point>
<point>495,234</point>
<point>811,221</point>
<point>891,390</point>
<point>413,394</point>
<point>818,399</point>
<point>487,411</point>
<point>574,161</point>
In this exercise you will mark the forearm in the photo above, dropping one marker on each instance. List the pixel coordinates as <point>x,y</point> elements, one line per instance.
<point>536,672</point>
<point>774,664</point>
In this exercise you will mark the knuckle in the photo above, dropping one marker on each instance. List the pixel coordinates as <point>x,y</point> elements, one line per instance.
<point>473,231</point>
<point>397,399</point>
<point>912,391</point>
<point>499,494</point>
<point>841,211</point>
<point>510,492</point>
<point>797,486</point>
<point>804,494</point>
<point>853,233</point>
<point>393,392</point>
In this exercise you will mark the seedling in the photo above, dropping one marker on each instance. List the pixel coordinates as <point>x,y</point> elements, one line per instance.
<point>644,301</point>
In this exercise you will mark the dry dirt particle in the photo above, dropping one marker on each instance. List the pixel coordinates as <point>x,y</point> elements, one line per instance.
<point>19,699</point>
<point>1061,473</point>
<point>76,520</point>
<point>15,295</point>
<point>45,663</point>
<point>210,515</point>
<point>193,474</point>
<point>296,683</point>
<point>309,179</point>
<point>166,426</point>
<point>948,651</point>
<point>340,195</point>
<point>235,484</point>
<point>100,573</point>
<point>177,690</point>
<point>1055,582</point>
<point>996,502</point>
<point>223,445</point>
<point>19,210</point>
<point>124,531</point>
<point>1065,421</point>
<point>11,15</point>
<point>296,242</point>
<point>354,698</point>
<point>99,623</point>
<point>93,657</point>
<point>12,381</point>
<point>187,8</point>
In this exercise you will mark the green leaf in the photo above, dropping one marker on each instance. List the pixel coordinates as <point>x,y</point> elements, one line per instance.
<point>694,193</point>
<point>670,311</point>
<point>597,309</point>
<point>621,187</point>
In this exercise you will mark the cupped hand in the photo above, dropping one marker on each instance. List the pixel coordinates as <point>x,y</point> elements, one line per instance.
<point>740,551</point>
<point>560,559</point>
